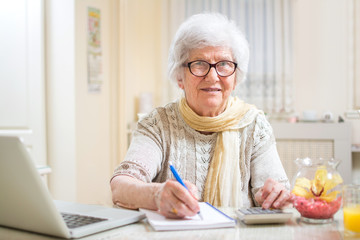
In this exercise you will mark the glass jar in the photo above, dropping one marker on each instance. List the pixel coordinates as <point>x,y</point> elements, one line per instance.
<point>317,189</point>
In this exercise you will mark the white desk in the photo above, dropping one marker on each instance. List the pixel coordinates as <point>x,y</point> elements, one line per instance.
<point>292,230</point>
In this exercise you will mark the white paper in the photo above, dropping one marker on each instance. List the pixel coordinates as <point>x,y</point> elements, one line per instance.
<point>212,218</point>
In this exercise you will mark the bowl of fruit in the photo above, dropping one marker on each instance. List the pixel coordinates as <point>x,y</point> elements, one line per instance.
<point>317,190</point>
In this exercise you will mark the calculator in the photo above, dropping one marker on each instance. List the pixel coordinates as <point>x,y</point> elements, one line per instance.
<point>259,215</point>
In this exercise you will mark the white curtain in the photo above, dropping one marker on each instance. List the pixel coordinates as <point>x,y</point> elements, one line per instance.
<point>267,26</point>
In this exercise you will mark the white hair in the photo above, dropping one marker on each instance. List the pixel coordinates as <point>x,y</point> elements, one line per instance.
<point>207,29</point>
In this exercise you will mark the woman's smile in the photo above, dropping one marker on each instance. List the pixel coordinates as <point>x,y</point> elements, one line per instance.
<point>211,90</point>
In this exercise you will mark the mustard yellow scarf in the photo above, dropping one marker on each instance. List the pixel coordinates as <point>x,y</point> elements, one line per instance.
<point>223,181</point>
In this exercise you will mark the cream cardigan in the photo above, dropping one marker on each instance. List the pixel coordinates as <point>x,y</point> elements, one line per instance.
<point>163,136</point>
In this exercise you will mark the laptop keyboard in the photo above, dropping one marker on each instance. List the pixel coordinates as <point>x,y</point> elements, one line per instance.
<point>75,220</point>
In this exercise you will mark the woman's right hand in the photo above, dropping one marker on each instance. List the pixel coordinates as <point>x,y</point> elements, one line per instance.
<point>175,201</point>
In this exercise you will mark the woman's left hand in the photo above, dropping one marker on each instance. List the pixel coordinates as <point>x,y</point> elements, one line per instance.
<point>273,194</point>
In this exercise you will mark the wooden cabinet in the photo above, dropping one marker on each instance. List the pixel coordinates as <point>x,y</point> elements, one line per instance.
<point>22,93</point>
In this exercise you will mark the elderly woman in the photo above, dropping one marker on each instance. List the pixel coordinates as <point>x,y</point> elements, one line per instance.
<point>223,148</point>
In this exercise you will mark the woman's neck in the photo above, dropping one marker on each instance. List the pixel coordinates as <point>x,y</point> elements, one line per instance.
<point>206,133</point>
<point>209,112</point>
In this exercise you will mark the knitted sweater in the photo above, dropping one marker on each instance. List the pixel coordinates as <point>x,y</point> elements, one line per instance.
<point>163,136</point>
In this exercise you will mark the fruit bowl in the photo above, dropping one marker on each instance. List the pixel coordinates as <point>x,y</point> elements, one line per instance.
<point>316,210</point>
<point>317,190</point>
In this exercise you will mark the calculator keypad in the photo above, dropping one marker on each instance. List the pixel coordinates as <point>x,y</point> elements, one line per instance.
<point>259,210</point>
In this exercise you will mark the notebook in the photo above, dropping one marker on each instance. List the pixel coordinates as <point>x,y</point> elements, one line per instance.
<point>212,218</point>
<point>26,203</point>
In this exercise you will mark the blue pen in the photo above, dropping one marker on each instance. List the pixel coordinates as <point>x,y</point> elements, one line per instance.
<point>178,178</point>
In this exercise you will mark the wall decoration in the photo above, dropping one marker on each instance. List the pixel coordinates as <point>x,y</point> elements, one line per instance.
<point>94,53</point>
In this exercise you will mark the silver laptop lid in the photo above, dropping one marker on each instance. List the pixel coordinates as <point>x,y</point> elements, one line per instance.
<point>25,202</point>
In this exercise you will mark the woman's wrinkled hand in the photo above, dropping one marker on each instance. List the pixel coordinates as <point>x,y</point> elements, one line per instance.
<point>273,195</point>
<point>175,201</point>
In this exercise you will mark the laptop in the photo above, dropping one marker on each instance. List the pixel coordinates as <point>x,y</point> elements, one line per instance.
<point>26,203</point>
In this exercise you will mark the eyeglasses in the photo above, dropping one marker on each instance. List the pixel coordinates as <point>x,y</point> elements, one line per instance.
<point>201,68</point>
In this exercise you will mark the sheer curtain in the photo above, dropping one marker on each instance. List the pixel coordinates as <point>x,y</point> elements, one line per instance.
<point>267,26</point>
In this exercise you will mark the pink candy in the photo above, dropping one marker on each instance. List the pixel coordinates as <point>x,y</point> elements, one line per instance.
<point>316,208</point>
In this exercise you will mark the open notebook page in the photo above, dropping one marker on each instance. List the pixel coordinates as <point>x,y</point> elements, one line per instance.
<point>212,218</point>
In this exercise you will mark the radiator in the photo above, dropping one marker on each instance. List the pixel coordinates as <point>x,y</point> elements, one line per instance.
<point>314,140</point>
<point>291,149</point>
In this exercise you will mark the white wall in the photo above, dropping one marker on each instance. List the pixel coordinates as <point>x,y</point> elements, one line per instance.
<point>87,132</point>
<point>323,58</point>
<point>60,75</point>
<point>81,125</point>
<point>141,59</point>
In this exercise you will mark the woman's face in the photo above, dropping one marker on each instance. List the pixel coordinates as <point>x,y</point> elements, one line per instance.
<point>208,95</point>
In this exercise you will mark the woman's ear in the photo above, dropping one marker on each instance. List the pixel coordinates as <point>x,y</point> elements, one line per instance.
<point>180,83</point>
<point>235,83</point>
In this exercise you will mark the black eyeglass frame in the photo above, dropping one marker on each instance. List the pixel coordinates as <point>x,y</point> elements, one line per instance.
<point>212,65</point>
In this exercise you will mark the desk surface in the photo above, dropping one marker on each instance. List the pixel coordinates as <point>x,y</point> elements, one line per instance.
<point>293,229</point>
